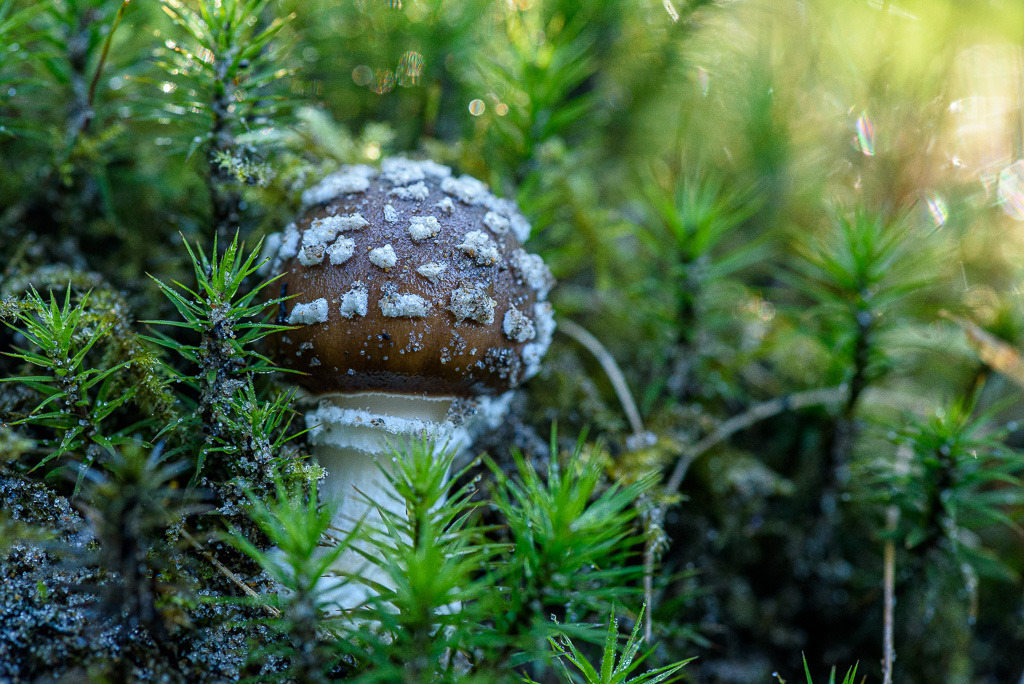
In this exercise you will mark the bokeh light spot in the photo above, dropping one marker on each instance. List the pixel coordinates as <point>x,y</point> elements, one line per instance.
<point>362,75</point>
<point>384,81</point>
<point>865,135</point>
<point>937,209</point>
<point>410,68</point>
<point>1010,190</point>
<point>703,80</point>
<point>477,107</point>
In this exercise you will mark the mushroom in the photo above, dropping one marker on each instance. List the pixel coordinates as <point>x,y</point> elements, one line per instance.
<point>417,312</point>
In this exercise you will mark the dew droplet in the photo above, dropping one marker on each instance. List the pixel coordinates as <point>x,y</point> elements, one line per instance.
<point>476,107</point>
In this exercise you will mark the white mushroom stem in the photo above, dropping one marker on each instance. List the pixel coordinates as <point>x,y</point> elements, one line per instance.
<point>348,431</point>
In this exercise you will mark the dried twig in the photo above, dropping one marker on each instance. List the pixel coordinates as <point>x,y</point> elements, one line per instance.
<point>671,9</point>
<point>889,590</point>
<point>230,575</point>
<point>831,395</point>
<point>611,369</point>
<point>993,352</point>
<point>649,553</point>
<point>638,439</point>
<point>103,55</point>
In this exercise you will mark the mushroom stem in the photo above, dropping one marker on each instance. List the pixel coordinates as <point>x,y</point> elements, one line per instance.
<point>353,436</point>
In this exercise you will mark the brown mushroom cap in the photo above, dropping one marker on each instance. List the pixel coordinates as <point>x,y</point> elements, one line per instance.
<point>411,281</point>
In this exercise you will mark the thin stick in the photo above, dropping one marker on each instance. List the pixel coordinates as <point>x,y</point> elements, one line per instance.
<point>227,573</point>
<point>103,57</point>
<point>889,590</point>
<point>611,369</point>
<point>618,380</point>
<point>671,9</point>
<point>648,589</point>
<point>830,395</point>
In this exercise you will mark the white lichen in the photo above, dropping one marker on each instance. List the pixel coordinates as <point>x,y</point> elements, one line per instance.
<point>384,257</point>
<point>532,270</point>
<point>520,227</point>
<point>390,214</point>
<point>310,255</point>
<point>480,247</point>
<point>418,192</point>
<point>446,205</point>
<point>332,225</point>
<point>317,235</point>
<point>432,168</point>
<point>368,430</point>
<point>500,205</point>
<point>503,207</point>
<point>398,305</point>
<point>305,314</point>
<point>341,251</point>
<point>466,189</point>
<point>432,271</point>
<point>473,303</point>
<point>348,181</point>
<point>544,322</point>
<point>269,253</point>
<point>322,231</point>
<point>401,171</point>
<point>289,243</point>
<point>517,326</point>
<point>423,227</point>
<point>496,222</point>
<point>486,413</point>
<point>354,302</point>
